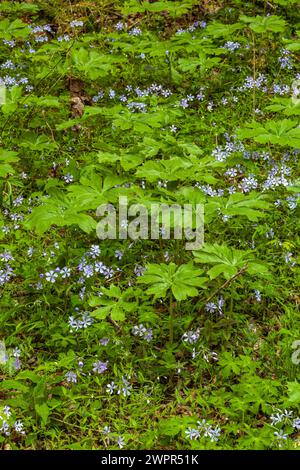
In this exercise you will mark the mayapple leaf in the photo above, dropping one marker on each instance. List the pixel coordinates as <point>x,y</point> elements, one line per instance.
<point>228,261</point>
<point>294,392</point>
<point>182,281</point>
<point>283,132</point>
<point>263,24</point>
<point>6,158</point>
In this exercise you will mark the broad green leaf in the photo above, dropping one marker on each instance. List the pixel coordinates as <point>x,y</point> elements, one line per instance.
<point>263,24</point>
<point>183,281</point>
<point>285,132</point>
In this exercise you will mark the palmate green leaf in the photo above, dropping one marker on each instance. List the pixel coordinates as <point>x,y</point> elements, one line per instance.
<point>190,168</point>
<point>7,157</point>
<point>38,142</point>
<point>174,8</point>
<point>12,98</point>
<point>292,45</point>
<point>186,282</point>
<point>284,132</point>
<point>66,209</point>
<point>94,65</point>
<point>287,106</point>
<point>94,190</point>
<point>183,281</point>
<point>218,30</point>
<point>15,29</point>
<point>253,206</point>
<point>140,122</point>
<point>228,261</point>
<point>89,113</point>
<point>12,384</point>
<point>117,311</point>
<point>190,195</point>
<point>192,44</point>
<point>44,101</point>
<point>250,205</point>
<point>263,24</point>
<point>171,427</point>
<point>113,302</point>
<point>23,8</point>
<point>294,392</point>
<point>128,161</point>
<point>203,63</point>
<point>172,169</point>
<point>61,210</point>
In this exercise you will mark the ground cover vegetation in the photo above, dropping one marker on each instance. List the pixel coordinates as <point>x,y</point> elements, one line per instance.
<point>110,344</point>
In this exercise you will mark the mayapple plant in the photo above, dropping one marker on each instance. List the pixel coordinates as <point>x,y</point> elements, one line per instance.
<point>175,282</point>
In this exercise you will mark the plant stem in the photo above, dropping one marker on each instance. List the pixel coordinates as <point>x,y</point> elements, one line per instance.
<point>171,319</point>
<point>231,300</point>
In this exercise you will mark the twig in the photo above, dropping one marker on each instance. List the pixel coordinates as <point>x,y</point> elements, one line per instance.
<point>114,323</point>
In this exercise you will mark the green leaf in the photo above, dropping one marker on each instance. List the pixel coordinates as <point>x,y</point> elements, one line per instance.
<point>13,385</point>
<point>294,392</point>
<point>42,411</point>
<point>284,132</point>
<point>183,281</point>
<point>252,206</point>
<point>101,313</point>
<point>12,98</point>
<point>15,29</point>
<point>113,302</point>
<point>228,261</point>
<point>217,30</point>
<point>287,106</point>
<point>92,64</point>
<point>203,63</point>
<point>38,142</point>
<point>60,210</point>
<point>263,24</point>
<point>7,157</point>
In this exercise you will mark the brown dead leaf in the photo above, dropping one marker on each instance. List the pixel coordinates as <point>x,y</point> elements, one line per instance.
<point>77,106</point>
<point>211,6</point>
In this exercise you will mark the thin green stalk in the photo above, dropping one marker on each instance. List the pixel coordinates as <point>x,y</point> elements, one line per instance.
<point>171,319</point>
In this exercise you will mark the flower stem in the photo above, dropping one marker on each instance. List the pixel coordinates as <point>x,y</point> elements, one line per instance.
<point>171,320</point>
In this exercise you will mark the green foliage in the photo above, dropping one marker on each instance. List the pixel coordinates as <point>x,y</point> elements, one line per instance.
<point>294,392</point>
<point>284,132</point>
<point>251,206</point>
<point>13,29</point>
<point>61,210</point>
<point>182,281</point>
<point>264,24</point>
<point>228,261</point>
<point>6,158</point>
<point>114,303</point>
<point>174,8</point>
<point>92,64</point>
<point>164,102</point>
